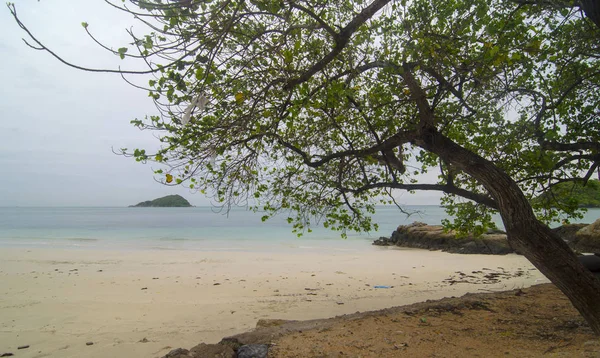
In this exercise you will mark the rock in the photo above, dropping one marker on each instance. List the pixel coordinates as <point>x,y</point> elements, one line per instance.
<point>588,238</point>
<point>6,355</point>
<point>271,322</point>
<point>567,232</point>
<point>178,353</point>
<point>23,347</point>
<point>497,243</point>
<point>212,350</point>
<point>89,343</point>
<point>472,247</point>
<point>233,342</point>
<point>435,237</point>
<point>253,351</point>
<point>382,241</point>
<point>144,340</point>
<point>591,262</point>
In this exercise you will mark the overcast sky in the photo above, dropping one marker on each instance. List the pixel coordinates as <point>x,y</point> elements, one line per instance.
<point>58,124</point>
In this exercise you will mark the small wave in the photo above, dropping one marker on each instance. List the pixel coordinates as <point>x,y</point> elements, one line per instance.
<point>82,239</point>
<point>225,248</point>
<point>172,239</point>
<point>163,248</point>
<point>347,250</point>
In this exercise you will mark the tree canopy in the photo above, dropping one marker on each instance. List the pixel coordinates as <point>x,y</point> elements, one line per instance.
<point>307,106</point>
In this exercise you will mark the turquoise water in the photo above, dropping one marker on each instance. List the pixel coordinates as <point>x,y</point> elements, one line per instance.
<point>197,228</point>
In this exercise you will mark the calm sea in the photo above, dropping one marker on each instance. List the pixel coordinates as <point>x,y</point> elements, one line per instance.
<point>197,228</point>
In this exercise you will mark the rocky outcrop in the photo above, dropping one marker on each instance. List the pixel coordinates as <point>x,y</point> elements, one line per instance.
<point>219,350</point>
<point>434,237</point>
<point>253,351</point>
<point>580,237</point>
<point>567,232</point>
<point>253,344</point>
<point>587,239</point>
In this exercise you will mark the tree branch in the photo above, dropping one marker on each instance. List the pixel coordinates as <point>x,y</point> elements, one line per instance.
<point>387,145</point>
<point>420,98</point>
<point>42,47</point>
<point>341,40</point>
<point>449,86</point>
<point>323,24</point>
<point>567,147</point>
<point>446,188</point>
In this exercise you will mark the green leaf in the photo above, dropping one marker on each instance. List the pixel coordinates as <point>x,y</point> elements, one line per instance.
<point>122,51</point>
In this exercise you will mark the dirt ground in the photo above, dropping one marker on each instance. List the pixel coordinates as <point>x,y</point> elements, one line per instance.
<point>533,322</point>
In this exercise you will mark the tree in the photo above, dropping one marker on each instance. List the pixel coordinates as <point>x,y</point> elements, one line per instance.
<point>321,108</point>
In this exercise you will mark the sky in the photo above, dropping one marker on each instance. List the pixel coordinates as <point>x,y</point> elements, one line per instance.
<point>58,125</point>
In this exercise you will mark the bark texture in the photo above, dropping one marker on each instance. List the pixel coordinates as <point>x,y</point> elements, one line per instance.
<point>591,8</point>
<point>535,240</point>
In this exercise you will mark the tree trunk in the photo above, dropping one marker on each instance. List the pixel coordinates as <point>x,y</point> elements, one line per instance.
<point>546,250</point>
<point>592,10</point>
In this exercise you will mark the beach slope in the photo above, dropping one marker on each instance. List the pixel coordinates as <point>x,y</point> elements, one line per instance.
<point>95,303</point>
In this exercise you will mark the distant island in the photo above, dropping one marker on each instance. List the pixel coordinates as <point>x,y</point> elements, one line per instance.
<point>587,196</point>
<point>169,201</point>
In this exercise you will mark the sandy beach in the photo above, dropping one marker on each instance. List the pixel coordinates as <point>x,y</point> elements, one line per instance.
<point>142,303</point>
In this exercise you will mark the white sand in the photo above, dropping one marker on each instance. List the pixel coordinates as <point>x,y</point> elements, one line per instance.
<point>57,300</point>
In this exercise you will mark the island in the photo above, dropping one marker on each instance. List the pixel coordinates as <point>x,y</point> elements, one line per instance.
<point>169,201</point>
<point>584,196</point>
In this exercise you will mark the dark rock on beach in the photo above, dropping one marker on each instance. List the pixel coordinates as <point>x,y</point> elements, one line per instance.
<point>227,348</point>
<point>253,351</point>
<point>591,262</point>
<point>568,232</point>
<point>580,237</point>
<point>212,350</point>
<point>434,237</point>
<point>263,322</point>
<point>587,239</point>
<point>178,353</point>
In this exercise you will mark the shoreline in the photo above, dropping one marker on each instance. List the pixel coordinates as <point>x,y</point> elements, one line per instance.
<point>145,302</point>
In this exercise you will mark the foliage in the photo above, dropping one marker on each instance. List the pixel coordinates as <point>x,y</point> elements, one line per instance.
<point>277,134</point>
<point>572,194</point>
<point>166,202</point>
<point>314,108</point>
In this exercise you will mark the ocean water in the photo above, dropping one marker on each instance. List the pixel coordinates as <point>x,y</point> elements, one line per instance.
<point>196,228</point>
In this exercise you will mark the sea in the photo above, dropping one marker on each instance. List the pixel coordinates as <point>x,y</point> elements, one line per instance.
<point>193,228</point>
